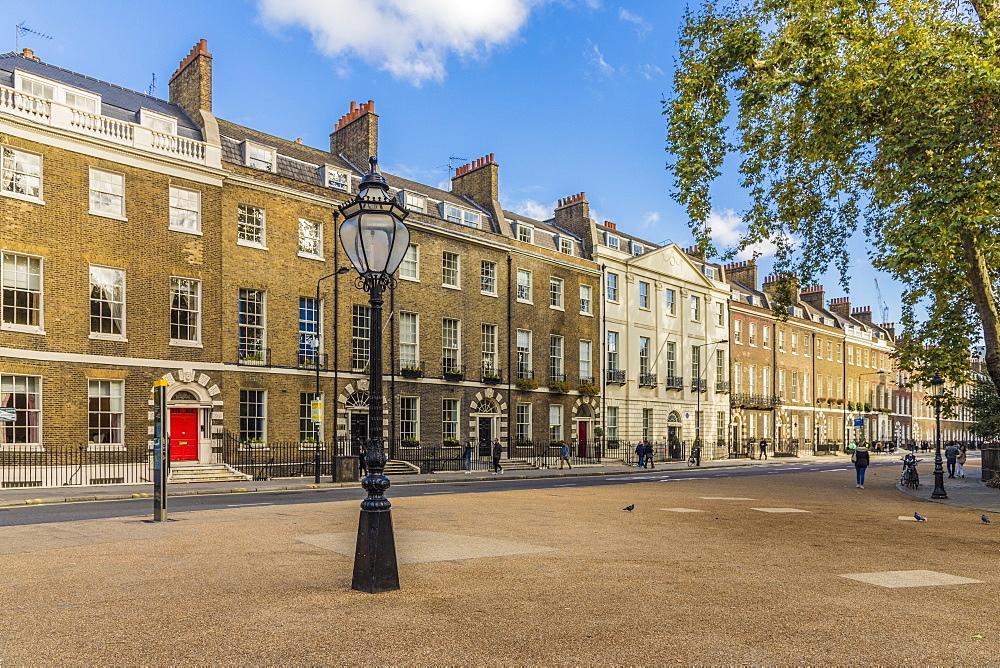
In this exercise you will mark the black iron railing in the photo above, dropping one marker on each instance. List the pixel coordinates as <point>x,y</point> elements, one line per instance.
<point>699,385</point>
<point>557,378</point>
<point>721,386</point>
<point>311,361</point>
<point>492,375</point>
<point>451,370</point>
<point>524,374</point>
<point>90,464</point>
<point>254,357</point>
<point>674,382</point>
<point>616,376</point>
<point>647,380</point>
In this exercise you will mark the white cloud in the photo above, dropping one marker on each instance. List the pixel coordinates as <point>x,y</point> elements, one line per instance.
<point>411,39</point>
<point>649,219</point>
<point>642,25</point>
<point>726,230</point>
<point>649,71</point>
<point>534,209</point>
<point>597,60</point>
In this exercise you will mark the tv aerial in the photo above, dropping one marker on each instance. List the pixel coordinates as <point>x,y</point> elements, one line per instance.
<point>21,29</point>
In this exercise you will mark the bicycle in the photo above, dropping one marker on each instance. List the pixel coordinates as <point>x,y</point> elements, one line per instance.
<point>695,458</point>
<point>909,477</point>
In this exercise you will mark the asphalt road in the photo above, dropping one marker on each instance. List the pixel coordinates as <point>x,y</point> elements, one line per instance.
<point>142,508</point>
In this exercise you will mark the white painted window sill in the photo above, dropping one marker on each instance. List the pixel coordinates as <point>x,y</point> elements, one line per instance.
<point>186,344</point>
<point>25,329</point>
<point>97,336</point>
<point>186,230</point>
<point>23,198</point>
<point>251,244</point>
<point>112,216</point>
<point>310,256</point>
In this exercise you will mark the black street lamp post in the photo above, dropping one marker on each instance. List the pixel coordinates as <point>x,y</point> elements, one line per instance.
<point>375,240</point>
<point>937,384</point>
<point>317,356</point>
<point>697,410</point>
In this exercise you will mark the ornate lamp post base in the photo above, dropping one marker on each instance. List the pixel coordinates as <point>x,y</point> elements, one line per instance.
<point>375,569</point>
<point>938,492</point>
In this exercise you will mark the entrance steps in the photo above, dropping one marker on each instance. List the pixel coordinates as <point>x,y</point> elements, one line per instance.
<point>516,465</point>
<point>398,467</point>
<point>184,473</point>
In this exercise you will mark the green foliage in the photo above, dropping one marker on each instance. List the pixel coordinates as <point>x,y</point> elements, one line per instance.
<point>526,384</point>
<point>985,406</point>
<point>848,115</point>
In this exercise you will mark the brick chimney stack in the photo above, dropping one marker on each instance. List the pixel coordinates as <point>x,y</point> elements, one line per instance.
<point>841,306</point>
<point>479,181</point>
<point>573,215</point>
<point>814,295</point>
<point>356,135</point>
<point>890,329</point>
<point>744,273</point>
<point>863,314</point>
<point>30,55</point>
<point>191,84</point>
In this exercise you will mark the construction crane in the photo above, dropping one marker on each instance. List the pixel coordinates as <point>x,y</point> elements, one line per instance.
<point>881,304</point>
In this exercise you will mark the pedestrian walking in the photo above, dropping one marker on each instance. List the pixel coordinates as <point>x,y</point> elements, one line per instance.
<point>362,462</point>
<point>647,450</point>
<point>861,459</point>
<point>497,452</point>
<point>564,456</point>
<point>962,454</point>
<point>467,456</point>
<point>640,453</point>
<point>763,448</point>
<point>696,453</point>
<point>951,455</point>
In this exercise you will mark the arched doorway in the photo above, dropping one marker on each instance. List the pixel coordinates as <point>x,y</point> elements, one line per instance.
<point>487,418</point>
<point>674,448</point>
<point>189,415</point>
<point>356,407</point>
<point>584,424</point>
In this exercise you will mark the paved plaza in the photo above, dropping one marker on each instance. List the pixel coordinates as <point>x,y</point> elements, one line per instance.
<point>763,570</point>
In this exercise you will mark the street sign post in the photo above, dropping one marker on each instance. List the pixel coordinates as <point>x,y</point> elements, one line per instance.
<point>161,451</point>
<point>316,414</point>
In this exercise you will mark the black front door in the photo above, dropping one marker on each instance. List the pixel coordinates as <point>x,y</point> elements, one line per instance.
<point>485,436</point>
<point>359,430</point>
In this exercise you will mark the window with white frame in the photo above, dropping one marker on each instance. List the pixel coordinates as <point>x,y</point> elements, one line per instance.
<point>85,102</point>
<point>737,330</point>
<point>23,394</point>
<point>525,233</point>
<point>185,209</point>
<point>523,353</point>
<point>40,89</point>
<point>720,314</point>
<point>643,355</point>
<point>557,354</point>
<point>647,424</point>
<point>696,362</point>
<point>523,285</point>
<point>488,347</point>
<point>752,378</point>
<point>449,420</point>
<point>107,193</point>
<point>671,359</point>
<point>556,293</point>
<point>409,420</point>
<point>566,246</point>
<point>720,366</point>
<point>451,355</point>
<point>765,381</point>
<point>644,295</point>
<point>185,310</point>
<point>611,241</point>
<point>360,333</point>
<point>738,378</point>
<point>310,238</point>
<point>781,340</point>
<point>765,335</point>
<point>522,423</point>
<point>105,412</point>
<point>107,302</point>
<point>795,343</point>
<point>670,301</point>
<point>409,353</point>
<point>253,416</point>
<point>154,121</point>
<point>695,308</point>
<point>309,331</point>
<point>253,335</point>
<point>586,299</point>
<point>308,428</point>
<point>409,268</point>
<point>21,283</point>
<point>612,351</point>
<point>461,216</point>
<point>637,249</point>
<point>250,224</point>
<point>612,287</point>
<point>414,202</point>
<point>259,157</point>
<point>752,333</point>
<point>450,270</point>
<point>555,422</point>
<point>611,422</point>
<point>586,370</point>
<point>488,277</point>
<point>20,174</point>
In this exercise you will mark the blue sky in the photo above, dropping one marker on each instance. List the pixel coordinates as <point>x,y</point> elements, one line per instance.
<point>565,93</point>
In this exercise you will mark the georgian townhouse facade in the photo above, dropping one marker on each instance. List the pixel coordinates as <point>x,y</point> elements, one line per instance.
<point>145,239</point>
<point>665,319</point>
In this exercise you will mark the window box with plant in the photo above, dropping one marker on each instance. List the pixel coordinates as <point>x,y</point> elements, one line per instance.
<point>560,386</point>
<point>451,443</point>
<point>526,384</point>
<point>590,389</point>
<point>491,377</point>
<point>556,444</point>
<point>453,373</point>
<point>410,443</point>
<point>411,371</point>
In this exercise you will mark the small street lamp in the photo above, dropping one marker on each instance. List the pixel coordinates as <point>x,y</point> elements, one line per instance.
<point>375,240</point>
<point>937,385</point>
<point>697,410</point>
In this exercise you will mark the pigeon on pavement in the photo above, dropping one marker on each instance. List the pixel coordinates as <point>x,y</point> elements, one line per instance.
<point>629,508</point>
<point>985,519</point>
<point>919,518</point>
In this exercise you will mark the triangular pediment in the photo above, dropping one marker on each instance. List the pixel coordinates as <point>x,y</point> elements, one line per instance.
<point>670,260</point>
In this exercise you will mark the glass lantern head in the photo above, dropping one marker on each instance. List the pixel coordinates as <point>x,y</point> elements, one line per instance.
<point>374,236</point>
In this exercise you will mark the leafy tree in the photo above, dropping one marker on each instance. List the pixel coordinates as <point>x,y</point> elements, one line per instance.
<point>879,114</point>
<point>985,406</point>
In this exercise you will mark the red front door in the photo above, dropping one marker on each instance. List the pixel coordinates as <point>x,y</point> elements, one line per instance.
<point>581,438</point>
<point>183,434</point>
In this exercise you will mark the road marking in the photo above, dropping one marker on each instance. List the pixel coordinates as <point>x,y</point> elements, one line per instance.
<point>832,470</point>
<point>780,510</point>
<point>727,498</point>
<point>897,579</point>
<point>682,510</point>
<point>432,493</point>
<point>244,505</point>
<point>907,518</point>
<point>570,485</point>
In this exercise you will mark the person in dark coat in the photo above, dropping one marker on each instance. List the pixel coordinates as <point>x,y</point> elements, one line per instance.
<point>467,456</point>
<point>647,451</point>
<point>763,448</point>
<point>861,459</point>
<point>640,453</point>
<point>497,453</point>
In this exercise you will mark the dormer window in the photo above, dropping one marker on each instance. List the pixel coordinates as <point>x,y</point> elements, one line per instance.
<point>565,246</point>
<point>83,102</point>
<point>637,249</point>
<point>525,233</point>
<point>708,271</point>
<point>611,241</point>
<point>335,178</point>
<point>157,122</point>
<point>38,89</point>
<point>461,216</point>
<point>414,201</point>
<point>57,92</point>
<point>258,157</point>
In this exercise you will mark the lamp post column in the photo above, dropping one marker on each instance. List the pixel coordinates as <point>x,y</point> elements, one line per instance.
<point>939,492</point>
